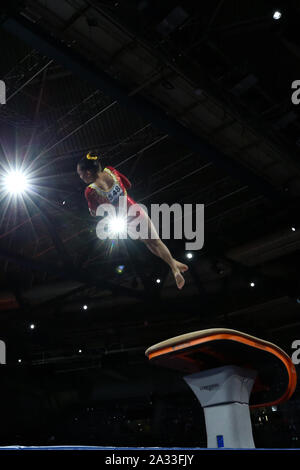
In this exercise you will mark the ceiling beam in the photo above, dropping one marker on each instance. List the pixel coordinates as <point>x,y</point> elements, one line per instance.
<point>37,38</point>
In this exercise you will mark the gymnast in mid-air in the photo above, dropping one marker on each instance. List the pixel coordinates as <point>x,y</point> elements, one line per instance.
<point>106,186</point>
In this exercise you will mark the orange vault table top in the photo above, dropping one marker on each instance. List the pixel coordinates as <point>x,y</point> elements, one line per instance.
<point>208,349</point>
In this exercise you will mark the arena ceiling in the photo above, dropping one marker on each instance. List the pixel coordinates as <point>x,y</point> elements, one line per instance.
<point>192,101</point>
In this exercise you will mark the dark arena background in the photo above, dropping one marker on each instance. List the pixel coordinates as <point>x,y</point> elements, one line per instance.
<point>196,103</point>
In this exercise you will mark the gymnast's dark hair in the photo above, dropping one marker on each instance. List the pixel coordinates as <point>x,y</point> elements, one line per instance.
<point>90,162</point>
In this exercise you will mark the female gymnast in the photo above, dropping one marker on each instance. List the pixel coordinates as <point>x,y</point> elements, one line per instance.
<point>106,186</point>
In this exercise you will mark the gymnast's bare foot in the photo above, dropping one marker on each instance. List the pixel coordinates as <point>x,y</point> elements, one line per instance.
<point>182,267</point>
<point>179,279</point>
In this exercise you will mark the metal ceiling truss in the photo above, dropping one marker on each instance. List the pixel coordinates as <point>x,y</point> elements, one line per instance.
<point>34,36</point>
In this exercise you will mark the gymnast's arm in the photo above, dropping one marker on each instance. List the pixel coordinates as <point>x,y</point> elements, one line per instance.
<point>123,178</point>
<point>92,200</point>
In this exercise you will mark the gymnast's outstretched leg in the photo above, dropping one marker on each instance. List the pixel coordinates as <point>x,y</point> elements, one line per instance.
<point>158,248</point>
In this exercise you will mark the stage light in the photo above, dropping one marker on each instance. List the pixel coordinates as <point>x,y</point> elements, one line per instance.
<point>252,284</point>
<point>85,307</point>
<point>158,281</point>
<point>80,351</point>
<point>32,326</point>
<point>277,15</point>
<point>293,229</point>
<point>117,225</point>
<point>189,255</point>
<point>19,361</point>
<point>16,182</point>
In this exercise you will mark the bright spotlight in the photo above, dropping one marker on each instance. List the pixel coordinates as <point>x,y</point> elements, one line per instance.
<point>252,284</point>
<point>16,182</point>
<point>32,326</point>
<point>189,255</point>
<point>293,229</point>
<point>19,361</point>
<point>85,307</point>
<point>277,15</point>
<point>117,225</point>
<point>158,281</point>
<point>80,351</point>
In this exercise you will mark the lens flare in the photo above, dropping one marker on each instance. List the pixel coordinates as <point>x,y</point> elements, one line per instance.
<point>117,225</point>
<point>16,182</point>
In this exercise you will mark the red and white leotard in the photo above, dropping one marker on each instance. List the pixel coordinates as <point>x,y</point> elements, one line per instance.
<point>96,196</point>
